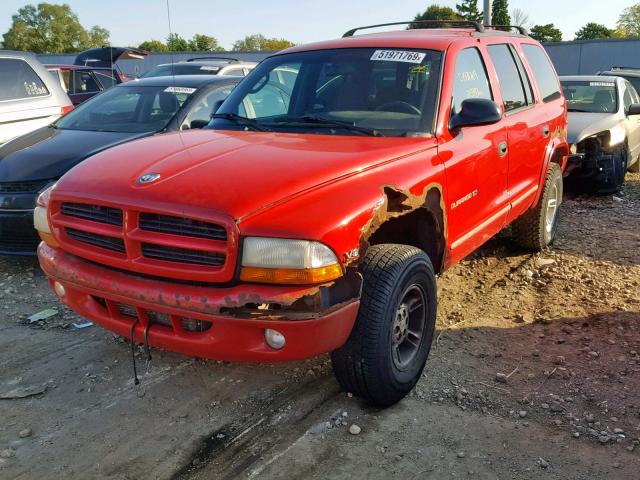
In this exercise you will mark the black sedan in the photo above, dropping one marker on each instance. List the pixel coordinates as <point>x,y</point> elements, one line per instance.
<point>131,110</point>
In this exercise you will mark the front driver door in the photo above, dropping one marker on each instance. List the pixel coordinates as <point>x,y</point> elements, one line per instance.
<point>476,163</point>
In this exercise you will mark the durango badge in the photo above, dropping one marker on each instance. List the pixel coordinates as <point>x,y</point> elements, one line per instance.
<point>148,178</point>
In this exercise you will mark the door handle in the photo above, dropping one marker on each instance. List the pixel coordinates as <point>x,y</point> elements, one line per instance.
<point>545,131</point>
<point>503,148</point>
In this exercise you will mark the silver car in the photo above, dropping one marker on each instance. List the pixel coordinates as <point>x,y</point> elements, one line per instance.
<point>604,130</point>
<point>30,97</point>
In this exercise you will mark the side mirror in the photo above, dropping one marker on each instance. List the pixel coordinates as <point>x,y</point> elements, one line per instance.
<point>476,111</point>
<point>634,109</point>
<point>217,105</point>
<point>198,124</point>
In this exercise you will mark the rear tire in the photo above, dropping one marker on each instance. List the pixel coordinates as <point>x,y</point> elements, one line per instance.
<point>536,229</point>
<point>386,352</point>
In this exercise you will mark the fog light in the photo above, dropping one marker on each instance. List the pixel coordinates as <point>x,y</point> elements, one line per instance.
<point>59,289</point>
<point>274,338</point>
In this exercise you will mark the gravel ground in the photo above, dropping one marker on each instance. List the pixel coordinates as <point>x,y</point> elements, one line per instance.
<point>534,374</point>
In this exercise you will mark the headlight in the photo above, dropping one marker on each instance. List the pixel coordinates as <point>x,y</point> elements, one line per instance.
<point>616,136</point>
<point>41,218</point>
<point>278,260</point>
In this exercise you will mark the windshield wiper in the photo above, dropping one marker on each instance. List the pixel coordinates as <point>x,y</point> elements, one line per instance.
<point>240,120</point>
<point>321,122</point>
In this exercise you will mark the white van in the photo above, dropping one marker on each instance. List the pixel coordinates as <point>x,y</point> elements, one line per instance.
<point>30,97</point>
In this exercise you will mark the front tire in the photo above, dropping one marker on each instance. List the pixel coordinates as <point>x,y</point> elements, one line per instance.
<point>388,347</point>
<point>536,228</point>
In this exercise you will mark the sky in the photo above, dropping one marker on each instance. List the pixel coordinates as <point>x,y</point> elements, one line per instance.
<point>134,21</point>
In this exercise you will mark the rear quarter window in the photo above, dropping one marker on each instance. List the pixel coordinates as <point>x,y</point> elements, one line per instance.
<point>19,81</point>
<point>543,72</point>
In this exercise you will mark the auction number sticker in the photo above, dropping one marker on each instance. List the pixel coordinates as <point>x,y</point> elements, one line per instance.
<point>602,84</point>
<point>186,90</point>
<point>398,56</point>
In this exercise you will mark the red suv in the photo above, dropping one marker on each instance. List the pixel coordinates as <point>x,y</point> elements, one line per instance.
<point>335,182</point>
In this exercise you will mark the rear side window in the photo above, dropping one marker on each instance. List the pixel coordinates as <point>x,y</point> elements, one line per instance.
<point>511,83</point>
<point>83,82</point>
<point>18,80</point>
<point>105,79</point>
<point>471,79</point>
<point>628,97</point>
<point>635,81</point>
<point>235,71</point>
<point>543,72</point>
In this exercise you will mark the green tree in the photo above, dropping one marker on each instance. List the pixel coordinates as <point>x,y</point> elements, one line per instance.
<point>204,43</point>
<point>500,12</point>
<point>176,43</point>
<point>98,36</point>
<point>435,12</point>
<point>594,30</point>
<point>546,33</point>
<point>629,22</point>
<point>468,10</point>
<point>153,46</point>
<point>48,28</point>
<point>260,42</point>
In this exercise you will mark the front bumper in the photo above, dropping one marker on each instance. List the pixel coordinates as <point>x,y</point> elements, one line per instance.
<point>94,291</point>
<point>17,235</point>
<point>598,166</point>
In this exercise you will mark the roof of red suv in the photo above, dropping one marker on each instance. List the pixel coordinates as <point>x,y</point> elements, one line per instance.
<point>431,38</point>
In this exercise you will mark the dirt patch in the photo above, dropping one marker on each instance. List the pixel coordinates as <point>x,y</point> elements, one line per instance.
<point>535,373</point>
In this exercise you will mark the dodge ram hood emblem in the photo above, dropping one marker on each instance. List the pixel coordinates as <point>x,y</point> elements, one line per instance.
<point>149,177</point>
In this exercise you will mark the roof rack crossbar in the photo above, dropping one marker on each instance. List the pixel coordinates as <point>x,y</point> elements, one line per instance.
<point>427,23</point>
<point>196,59</point>
<point>520,28</point>
<point>621,67</point>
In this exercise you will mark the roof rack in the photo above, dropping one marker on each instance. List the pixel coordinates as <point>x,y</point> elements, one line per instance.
<point>620,67</point>
<point>427,24</point>
<point>197,59</point>
<point>521,29</point>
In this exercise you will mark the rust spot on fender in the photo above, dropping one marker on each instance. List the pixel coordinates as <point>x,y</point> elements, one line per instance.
<point>399,202</point>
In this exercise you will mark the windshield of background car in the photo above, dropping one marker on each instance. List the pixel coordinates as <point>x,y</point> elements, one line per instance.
<point>127,109</point>
<point>591,96</point>
<point>391,92</point>
<point>182,69</point>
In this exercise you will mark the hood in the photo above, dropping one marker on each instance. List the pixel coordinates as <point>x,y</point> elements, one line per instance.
<point>230,172</point>
<point>107,56</point>
<point>582,125</point>
<point>48,153</point>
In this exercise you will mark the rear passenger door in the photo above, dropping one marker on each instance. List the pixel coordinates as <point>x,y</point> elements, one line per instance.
<point>549,114</point>
<point>475,167</point>
<point>526,131</point>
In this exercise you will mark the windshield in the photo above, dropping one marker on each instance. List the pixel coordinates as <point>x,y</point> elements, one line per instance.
<point>355,91</point>
<point>127,109</point>
<point>182,69</point>
<point>591,96</point>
